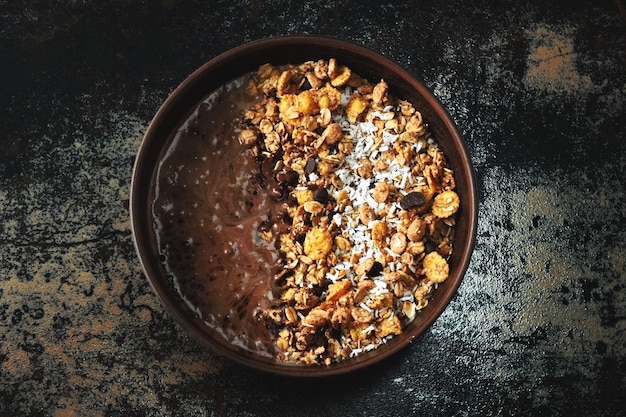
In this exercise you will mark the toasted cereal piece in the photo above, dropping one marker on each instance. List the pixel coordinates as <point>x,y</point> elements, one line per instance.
<point>359,331</point>
<point>321,69</point>
<point>337,289</point>
<point>381,191</point>
<point>364,266</point>
<point>389,326</point>
<point>436,267</point>
<point>445,204</point>
<point>287,102</point>
<point>303,196</point>
<point>332,68</point>
<point>329,97</point>
<point>313,207</point>
<point>306,102</point>
<point>361,315</point>
<point>357,105</point>
<point>317,243</point>
<point>340,317</point>
<point>342,243</point>
<point>342,76</point>
<point>362,289</point>
<point>378,301</point>
<point>366,214</point>
<point>423,291</point>
<point>283,339</point>
<point>380,232</point>
<point>313,80</point>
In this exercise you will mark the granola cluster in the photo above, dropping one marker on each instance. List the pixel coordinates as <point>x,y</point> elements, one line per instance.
<point>370,207</point>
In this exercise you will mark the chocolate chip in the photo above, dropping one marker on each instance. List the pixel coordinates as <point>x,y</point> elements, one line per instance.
<point>429,246</point>
<point>377,268</point>
<point>310,166</point>
<point>291,178</point>
<point>412,199</point>
<point>321,195</point>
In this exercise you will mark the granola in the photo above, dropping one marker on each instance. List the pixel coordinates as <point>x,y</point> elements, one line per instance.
<point>370,203</point>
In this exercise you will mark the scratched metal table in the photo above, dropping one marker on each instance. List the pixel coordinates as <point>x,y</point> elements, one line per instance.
<point>538,90</point>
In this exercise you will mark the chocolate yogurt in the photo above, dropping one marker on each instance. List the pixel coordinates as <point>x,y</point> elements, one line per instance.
<point>213,199</point>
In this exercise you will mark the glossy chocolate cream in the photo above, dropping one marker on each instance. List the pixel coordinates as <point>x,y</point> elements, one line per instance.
<point>213,200</point>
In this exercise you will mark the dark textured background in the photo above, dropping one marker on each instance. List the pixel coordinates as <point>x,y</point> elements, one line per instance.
<point>538,89</point>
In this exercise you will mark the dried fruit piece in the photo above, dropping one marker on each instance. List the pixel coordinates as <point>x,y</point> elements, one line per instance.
<point>389,326</point>
<point>309,167</point>
<point>412,199</point>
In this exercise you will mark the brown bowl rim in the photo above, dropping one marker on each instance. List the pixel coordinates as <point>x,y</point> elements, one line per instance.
<point>191,90</point>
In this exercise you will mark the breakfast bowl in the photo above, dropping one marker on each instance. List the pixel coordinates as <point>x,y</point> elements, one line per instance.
<point>303,205</point>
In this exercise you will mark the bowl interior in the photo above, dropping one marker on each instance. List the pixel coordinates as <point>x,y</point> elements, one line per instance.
<point>284,50</point>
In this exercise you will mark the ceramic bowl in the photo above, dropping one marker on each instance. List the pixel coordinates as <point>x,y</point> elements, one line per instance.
<point>284,50</point>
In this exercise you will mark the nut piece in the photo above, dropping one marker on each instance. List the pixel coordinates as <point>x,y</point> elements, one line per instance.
<point>316,318</point>
<point>416,230</point>
<point>366,214</point>
<point>381,192</point>
<point>398,243</point>
<point>380,92</point>
<point>332,134</point>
